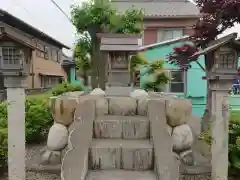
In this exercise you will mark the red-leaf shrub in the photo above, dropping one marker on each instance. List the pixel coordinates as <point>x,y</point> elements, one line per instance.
<point>180,56</point>
<point>216,17</point>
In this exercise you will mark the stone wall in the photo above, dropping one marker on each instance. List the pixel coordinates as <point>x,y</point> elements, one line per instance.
<point>181,126</point>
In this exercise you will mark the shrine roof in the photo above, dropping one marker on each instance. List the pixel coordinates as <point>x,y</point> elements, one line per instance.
<point>159,8</point>
<point>231,38</point>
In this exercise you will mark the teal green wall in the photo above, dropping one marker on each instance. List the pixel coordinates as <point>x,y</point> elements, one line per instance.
<point>73,76</point>
<point>194,75</point>
<point>198,104</point>
<point>196,87</point>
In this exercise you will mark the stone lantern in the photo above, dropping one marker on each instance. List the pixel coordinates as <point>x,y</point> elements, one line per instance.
<point>224,54</point>
<point>15,60</point>
<point>118,48</point>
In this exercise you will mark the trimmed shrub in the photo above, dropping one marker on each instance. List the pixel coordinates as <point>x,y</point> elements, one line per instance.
<point>38,118</point>
<point>3,149</point>
<point>234,141</point>
<point>65,87</point>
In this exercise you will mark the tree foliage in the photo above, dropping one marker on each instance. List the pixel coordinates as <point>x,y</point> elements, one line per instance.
<point>216,17</point>
<point>156,76</point>
<point>82,53</point>
<point>102,17</point>
<point>98,16</point>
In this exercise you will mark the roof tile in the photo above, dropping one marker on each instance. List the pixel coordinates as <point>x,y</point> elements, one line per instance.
<point>159,8</point>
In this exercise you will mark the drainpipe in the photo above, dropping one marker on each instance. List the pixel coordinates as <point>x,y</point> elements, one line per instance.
<point>33,75</point>
<point>185,84</point>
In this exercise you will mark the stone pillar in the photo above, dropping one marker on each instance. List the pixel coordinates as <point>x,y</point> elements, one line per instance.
<point>16,127</point>
<point>219,135</point>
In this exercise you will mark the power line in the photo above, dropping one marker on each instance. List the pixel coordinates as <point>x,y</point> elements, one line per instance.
<point>65,14</point>
<point>28,12</point>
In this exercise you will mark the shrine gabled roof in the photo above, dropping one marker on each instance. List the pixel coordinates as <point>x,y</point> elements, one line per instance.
<point>159,8</point>
<point>219,42</point>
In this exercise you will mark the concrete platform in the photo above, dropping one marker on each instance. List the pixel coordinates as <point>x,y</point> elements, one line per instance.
<point>121,175</point>
<point>122,127</point>
<point>121,154</point>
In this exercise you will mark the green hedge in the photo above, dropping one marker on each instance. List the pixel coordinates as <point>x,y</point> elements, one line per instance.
<point>38,118</point>
<point>234,141</point>
<point>65,87</point>
<point>3,149</point>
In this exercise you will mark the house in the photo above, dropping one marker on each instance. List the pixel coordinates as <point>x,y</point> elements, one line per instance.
<point>188,84</point>
<point>182,83</point>
<point>69,66</point>
<point>44,55</point>
<point>163,19</point>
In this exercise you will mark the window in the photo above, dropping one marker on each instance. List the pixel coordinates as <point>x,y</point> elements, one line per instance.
<point>176,82</point>
<point>227,60</point>
<point>168,34</point>
<point>54,55</point>
<point>46,52</point>
<point>12,57</point>
<point>49,81</point>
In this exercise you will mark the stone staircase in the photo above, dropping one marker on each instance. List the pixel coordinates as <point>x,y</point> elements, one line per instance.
<point>121,149</point>
<point>119,139</point>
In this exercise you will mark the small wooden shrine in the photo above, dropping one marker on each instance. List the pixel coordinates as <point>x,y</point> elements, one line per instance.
<point>223,55</point>
<point>119,48</point>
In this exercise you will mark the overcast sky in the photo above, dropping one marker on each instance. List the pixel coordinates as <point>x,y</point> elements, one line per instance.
<point>43,15</point>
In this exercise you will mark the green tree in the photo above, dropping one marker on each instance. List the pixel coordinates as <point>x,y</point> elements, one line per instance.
<point>156,76</point>
<point>82,56</point>
<point>97,16</point>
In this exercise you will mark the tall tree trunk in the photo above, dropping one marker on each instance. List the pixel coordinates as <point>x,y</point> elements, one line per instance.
<point>102,69</point>
<point>206,119</point>
<point>85,78</point>
<point>207,116</point>
<point>94,63</point>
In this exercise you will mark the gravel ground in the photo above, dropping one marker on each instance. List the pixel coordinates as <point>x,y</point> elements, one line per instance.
<point>32,157</point>
<point>37,176</point>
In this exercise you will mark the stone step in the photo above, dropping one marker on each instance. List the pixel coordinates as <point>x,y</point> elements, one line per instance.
<point>122,127</point>
<point>121,154</point>
<point>121,175</point>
